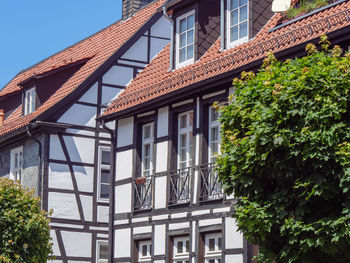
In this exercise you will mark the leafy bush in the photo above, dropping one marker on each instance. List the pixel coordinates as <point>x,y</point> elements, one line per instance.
<point>24,227</point>
<point>286,156</point>
<point>305,6</point>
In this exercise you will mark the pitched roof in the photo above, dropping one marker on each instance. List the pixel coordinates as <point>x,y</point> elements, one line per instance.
<point>155,80</point>
<point>96,49</point>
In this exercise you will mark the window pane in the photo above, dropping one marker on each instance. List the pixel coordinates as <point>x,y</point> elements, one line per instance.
<point>147,132</point>
<point>214,115</point>
<point>243,30</point>
<point>103,251</point>
<point>187,245</point>
<point>182,25</point>
<point>144,250</point>
<point>16,161</point>
<point>182,55</point>
<point>211,244</point>
<point>183,40</point>
<point>212,261</point>
<point>179,247</point>
<point>183,140</point>
<point>190,37</point>
<point>105,176</point>
<point>190,22</point>
<point>183,121</point>
<point>234,17</point>
<point>234,33</point>
<point>104,191</point>
<point>190,52</point>
<point>243,14</point>
<point>234,4</point>
<point>219,241</point>
<point>243,2</point>
<point>191,118</point>
<point>106,157</point>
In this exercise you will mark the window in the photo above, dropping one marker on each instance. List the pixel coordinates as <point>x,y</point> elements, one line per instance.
<point>213,248</point>
<point>104,173</point>
<point>214,135</point>
<point>237,22</point>
<point>147,149</point>
<point>29,101</point>
<point>185,132</point>
<point>16,165</point>
<point>145,251</point>
<point>185,39</point>
<point>181,250</point>
<point>102,252</point>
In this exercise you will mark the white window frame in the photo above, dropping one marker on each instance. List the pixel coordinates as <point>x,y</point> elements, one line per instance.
<point>98,259</point>
<point>185,255</point>
<point>147,141</point>
<point>181,131</point>
<point>16,168</point>
<point>188,61</point>
<point>100,167</point>
<point>148,257</point>
<point>213,124</point>
<point>239,41</point>
<point>29,101</point>
<point>217,253</point>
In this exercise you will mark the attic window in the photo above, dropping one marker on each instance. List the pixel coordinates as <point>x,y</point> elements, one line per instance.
<point>29,101</point>
<point>237,22</point>
<point>185,39</point>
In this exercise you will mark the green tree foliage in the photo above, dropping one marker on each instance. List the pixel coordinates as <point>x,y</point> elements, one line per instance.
<point>286,156</point>
<point>24,227</point>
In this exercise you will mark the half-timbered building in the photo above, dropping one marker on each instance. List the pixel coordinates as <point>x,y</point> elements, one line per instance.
<point>169,204</point>
<point>50,140</point>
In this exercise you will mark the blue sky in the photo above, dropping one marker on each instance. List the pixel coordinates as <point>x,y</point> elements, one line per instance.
<point>32,30</point>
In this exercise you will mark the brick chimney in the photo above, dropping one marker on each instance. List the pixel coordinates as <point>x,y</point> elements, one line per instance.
<point>130,7</point>
<point>2,117</point>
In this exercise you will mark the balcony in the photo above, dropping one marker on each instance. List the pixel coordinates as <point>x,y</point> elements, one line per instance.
<point>142,193</point>
<point>210,188</point>
<point>180,186</point>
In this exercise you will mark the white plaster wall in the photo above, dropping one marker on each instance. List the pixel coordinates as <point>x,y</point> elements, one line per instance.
<point>118,75</point>
<point>56,152</point>
<point>125,132</point>
<point>209,222</point>
<point>79,115</point>
<point>86,203</point>
<point>122,242</point>
<point>109,94</point>
<point>161,28</point>
<point>234,239</point>
<point>80,149</point>
<point>234,258</point>
<point>59,176</point>
<point>123,198</point>
<point>102,214</point>
<point>160,192</point>
<point>55,248</point>
<point>83,132</point>
<point>142,230</point>
<point>176,226</point>
<point>163,125</point>
<point>85,178</point>
<point>90,95</point>
<point>77,244</point>
<point>162,157</point>
<point>159,239</point>
<point>138,51</point>
<point>157,45</point>
<point>63,205</point>
<point>124,165</point>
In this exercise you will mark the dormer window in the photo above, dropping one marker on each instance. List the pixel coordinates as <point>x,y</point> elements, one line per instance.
<point>237,22</point>
<point>185,28</point>
<point>29,101</point>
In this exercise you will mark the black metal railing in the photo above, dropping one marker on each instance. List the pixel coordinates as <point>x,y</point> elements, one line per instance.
<point>180,186</point>
<point>210,187</point>
<point>142,193</point>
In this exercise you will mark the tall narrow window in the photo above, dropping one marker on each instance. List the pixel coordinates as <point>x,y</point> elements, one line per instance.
<point>214,135</point>
<point>29,101</point>
<point>213,248</point>
<point>147,149</point>
<point>237,22</point>
<point>102,252</point>
<point>145,251</point>
<point>185,132</point>
<point>104,173</point>
<point>185,39</point>
<point>16,164</point>
<point>181,250</point>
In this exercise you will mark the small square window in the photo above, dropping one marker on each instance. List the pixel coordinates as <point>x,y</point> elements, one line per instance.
<point>185,34</point>
<point>181,250</point>
<point>213,248</point>
<point>102,252</point>
<point>145,251</point>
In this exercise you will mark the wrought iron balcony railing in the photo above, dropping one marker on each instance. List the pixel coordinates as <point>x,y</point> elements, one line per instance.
<point>210,187</point>
<point>180,186</point>
<point>142,193</point>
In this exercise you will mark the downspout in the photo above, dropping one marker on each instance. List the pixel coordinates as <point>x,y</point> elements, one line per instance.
<point>171,58</point>
<point>40,191</point>
<point>111,194</point>
<point>222,25</point>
